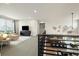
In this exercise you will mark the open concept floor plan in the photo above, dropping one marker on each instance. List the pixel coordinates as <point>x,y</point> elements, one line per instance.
<point>39,29</point>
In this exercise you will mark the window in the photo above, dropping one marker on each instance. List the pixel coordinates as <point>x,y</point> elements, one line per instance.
<point>6,26</point>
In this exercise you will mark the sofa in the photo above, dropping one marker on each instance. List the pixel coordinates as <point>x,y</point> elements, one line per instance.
<point>13,36</point>
<point>6,38</point>
<point>25,33</point>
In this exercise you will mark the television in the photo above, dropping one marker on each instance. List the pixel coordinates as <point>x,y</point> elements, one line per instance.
<point>25,27</point>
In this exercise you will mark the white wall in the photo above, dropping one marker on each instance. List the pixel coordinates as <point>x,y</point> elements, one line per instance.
<point>54,14</point>
<point>33,26</point>
<point>65,21</point>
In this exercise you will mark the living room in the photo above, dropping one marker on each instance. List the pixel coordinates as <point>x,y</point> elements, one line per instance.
<point>22,23</point>
<point>14,32</point>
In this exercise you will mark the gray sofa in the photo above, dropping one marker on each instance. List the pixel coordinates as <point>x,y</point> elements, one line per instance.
<point>25,33</point>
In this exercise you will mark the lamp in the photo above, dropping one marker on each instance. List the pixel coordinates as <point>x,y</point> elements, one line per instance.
<point>71,28</point>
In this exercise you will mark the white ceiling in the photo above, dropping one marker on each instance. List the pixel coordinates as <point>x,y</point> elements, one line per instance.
<point>51,11</point>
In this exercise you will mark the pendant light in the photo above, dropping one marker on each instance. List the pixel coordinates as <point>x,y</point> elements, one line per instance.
<point>72,20</point>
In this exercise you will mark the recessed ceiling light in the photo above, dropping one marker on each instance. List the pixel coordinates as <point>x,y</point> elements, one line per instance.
<point>35,11</point>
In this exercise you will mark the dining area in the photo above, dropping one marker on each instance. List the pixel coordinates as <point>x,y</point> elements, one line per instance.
<point>5,40</point>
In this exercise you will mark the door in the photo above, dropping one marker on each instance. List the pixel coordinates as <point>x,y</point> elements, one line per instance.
<point>42,28</point>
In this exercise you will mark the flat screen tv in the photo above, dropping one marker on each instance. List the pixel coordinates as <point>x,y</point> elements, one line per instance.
<point>25,27</point>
